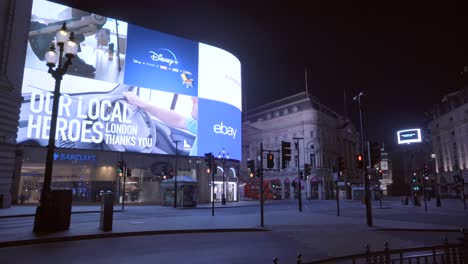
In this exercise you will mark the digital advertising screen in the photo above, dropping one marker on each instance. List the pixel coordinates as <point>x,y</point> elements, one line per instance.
<point>130,89</point>
<point>409,136</point>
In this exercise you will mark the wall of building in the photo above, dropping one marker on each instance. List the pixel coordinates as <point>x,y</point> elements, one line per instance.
<point>14,28</point>
<point>325,136</point>
<point>449,140</point>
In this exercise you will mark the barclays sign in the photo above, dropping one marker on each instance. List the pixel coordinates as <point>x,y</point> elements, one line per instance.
<point>74,157</point>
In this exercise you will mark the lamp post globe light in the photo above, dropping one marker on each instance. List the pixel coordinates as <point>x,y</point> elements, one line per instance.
<point>436,186</point>
<point>68,49</point>
<point>223,156</point>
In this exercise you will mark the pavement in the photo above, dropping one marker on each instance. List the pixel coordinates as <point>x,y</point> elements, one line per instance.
<point>316,227</point>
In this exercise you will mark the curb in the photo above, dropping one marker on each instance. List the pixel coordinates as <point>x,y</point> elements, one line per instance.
<point>417,230</point>
<point>31,215</point>
<point>118,211</point>
<point>123,234</point>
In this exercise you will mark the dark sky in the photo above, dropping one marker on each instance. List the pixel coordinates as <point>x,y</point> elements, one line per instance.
<point>403,57</point>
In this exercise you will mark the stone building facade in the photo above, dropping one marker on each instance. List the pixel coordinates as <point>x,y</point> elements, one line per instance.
<point>326,136</point>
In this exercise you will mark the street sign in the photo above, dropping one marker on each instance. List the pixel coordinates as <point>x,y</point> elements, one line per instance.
<point>341,183</point>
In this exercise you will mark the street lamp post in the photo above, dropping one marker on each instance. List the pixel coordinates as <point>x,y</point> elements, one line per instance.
<point>366,179</point>
<point>223,156</point>
<point>436,186</point>
<point>68,47</point>
<point>175,174</point>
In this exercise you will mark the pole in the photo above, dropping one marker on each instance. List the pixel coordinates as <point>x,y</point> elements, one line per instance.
<point>438,203</point>
<point>462,182</point>
<point>424,190</point>
<point>299,194</point>
<point>123,187</point>
<point>212,186</point>
<point>223,196</point>
<point>380,194</point>
<point>261,185</point>
<point>366,179</point>
<point>337,200</point>
<point>175,174</point>
<point>57,74</point>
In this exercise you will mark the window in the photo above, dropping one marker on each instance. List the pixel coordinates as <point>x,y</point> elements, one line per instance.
<point>312,162</point>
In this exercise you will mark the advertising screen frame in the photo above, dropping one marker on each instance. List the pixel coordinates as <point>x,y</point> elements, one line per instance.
<point>418,138</point>
<point>189,78</point>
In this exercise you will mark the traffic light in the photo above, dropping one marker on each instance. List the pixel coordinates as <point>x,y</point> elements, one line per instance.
<point>120,167</point>
<point>306,169</point>
<point>164,170</point>
<point>209,162</point>
<point>426,170</point>
<point>340,163</point>
<point>270,161</point>
<point>375,153</point>
<point>285,153</point>
<point>251,167</point>
<point>415,179</point>
<point>359,161</point>
<point>380,174</point>
<point>129,172</point>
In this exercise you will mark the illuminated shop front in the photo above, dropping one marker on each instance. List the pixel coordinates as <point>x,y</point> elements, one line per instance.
<point>90,173</point>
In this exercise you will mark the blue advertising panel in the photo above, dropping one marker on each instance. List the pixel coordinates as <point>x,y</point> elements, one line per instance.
<point>129,89</point>
<point>161,61</point>
<point>219,128</point>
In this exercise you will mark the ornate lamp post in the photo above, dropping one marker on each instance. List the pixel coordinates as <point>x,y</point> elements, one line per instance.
<point>223,156</point>
<point>68,47</point>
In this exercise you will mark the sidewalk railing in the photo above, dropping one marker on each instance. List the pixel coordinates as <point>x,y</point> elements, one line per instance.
<point>446,253</point>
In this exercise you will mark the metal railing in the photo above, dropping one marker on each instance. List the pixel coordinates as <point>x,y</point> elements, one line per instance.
<point>446,253</point>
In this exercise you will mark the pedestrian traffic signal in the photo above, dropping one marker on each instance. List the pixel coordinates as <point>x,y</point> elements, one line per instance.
<point>251,167</point>
<point>209,162</point>
<point>307,169</point>
<point>375,154</point>
<point>341,163</point>
<point>285,153</point>
<point>359,161</point>
<point>120,167</point>
<point>270,161</point>
<point>426,170</point>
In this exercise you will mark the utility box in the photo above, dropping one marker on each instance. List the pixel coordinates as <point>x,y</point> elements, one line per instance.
<point>107,211</point>
<point>54,213</point>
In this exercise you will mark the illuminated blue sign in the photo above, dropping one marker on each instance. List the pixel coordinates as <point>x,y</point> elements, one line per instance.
<point>74,157</point>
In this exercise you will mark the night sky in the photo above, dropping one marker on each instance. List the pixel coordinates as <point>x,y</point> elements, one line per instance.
<point>403,57</point>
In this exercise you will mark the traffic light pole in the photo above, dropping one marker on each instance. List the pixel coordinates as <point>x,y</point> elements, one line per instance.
<point>261,186</point>
<point>175,174</point>
<point>337,199</point>
<point>424,189</point>
<point>124,171</point>
<point>212,186</point>
<point>462,182</point>
<point>299,194</point>
<point>366,178</point>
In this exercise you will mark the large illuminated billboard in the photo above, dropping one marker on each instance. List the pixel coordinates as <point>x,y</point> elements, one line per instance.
<point>130,89</point>
<point>408,136</point>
